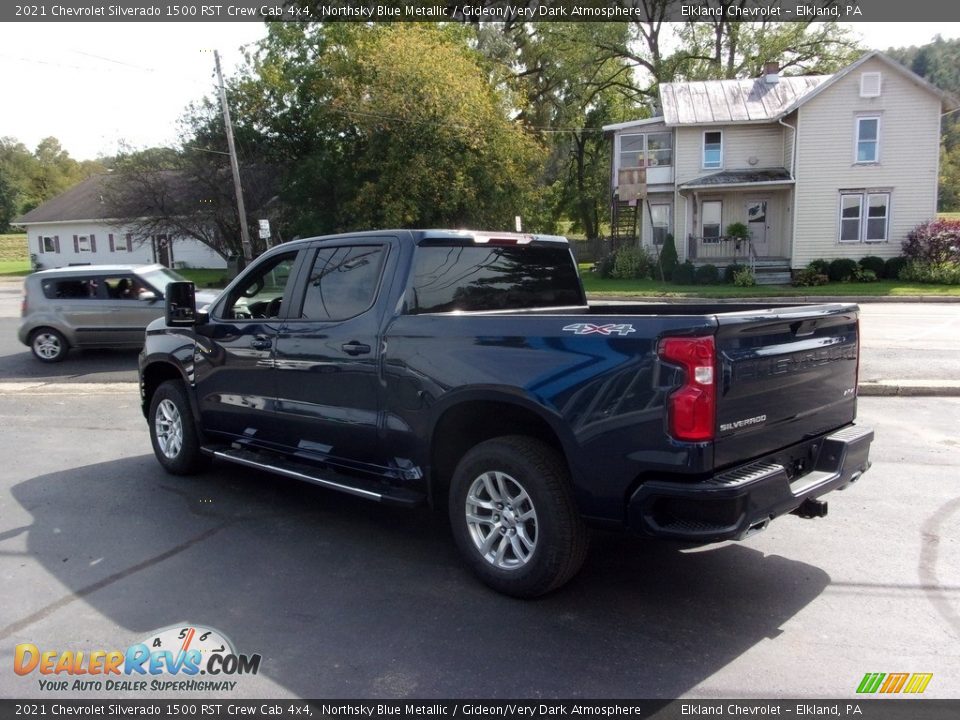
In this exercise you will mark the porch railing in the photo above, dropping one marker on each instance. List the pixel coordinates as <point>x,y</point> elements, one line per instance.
<point>721,248</point>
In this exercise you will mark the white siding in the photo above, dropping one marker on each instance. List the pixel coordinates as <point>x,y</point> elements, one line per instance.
<point>740,144</point>
<point>187,251</point>
<point>909,156</point>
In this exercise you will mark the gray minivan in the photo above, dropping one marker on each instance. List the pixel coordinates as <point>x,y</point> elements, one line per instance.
<point>102,306</point>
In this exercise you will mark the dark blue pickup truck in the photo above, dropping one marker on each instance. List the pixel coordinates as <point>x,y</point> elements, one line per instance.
<point>467,370</point>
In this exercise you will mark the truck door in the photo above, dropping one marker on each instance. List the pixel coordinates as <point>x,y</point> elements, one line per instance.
<point>235,351</point>
<point>327,356</point>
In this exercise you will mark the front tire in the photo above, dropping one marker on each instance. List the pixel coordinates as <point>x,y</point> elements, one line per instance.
<point>173,432</point>
<point>513,517</point>
<point>48,345</point>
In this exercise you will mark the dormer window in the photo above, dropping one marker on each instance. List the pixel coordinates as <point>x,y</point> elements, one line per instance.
<point>870,85</point>
<point>712,150</point>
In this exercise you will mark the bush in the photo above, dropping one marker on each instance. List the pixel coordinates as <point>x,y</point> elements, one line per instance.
<point>684,274</point>
<point>668,257</point>
<point>707,275</point>
<point>893,266</point>
<point>874,264</point>
<point>819,266</point>
<point>842,270</point>
<point>937,273</point>
<point>935,242</point>
<point>809,277</point>
<point>866,276</point>
<point>632,263</point>
<point>744,277</point>
<point>730,272</point>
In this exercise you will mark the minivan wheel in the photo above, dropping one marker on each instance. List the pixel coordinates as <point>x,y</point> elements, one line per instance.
<point>48,345</point>
<point>513,517</point>
<point>173,432</point>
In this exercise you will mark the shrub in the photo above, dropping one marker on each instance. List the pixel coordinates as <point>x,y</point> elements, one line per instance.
<point>874,264</point>
<point>668,257</point>
<point>809,277</point>
<point>744,277</point>
<point>893,266</point>
<point>632,263</point>
<point>842,270</point>
<point>819,266</point>
<point>684,274</point>
<point>707,275</point>
<point>936,242</point>
<point>947,273</point>
<point>866,276</point>
<point>730,272</point>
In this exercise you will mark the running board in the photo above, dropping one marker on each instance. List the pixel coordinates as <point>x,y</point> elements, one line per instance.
<point>369,490</point>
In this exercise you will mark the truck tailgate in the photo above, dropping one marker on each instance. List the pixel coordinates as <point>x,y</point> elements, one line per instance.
<point>784,375</point>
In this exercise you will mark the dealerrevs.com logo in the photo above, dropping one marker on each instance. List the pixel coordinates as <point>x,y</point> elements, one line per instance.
<point>893,683</point>
<point>170,659</point>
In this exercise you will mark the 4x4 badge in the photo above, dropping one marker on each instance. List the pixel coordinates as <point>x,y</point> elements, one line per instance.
<point>591,329</point>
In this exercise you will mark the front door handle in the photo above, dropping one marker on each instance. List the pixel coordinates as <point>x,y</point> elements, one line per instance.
<point>261,343</point>
<point>355,348</point>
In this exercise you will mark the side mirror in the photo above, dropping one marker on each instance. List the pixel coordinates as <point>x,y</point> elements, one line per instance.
<point>181,305</point>
<point>147,296</point>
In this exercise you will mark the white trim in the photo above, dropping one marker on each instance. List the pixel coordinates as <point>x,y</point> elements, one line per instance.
<point>632,124</point>
<point>856,139</point>
<point>864,196</point>
<point>886,225</point>
<point>703,151</point>
<point>840,218</point>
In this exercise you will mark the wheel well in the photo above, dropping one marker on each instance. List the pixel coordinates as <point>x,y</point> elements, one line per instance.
<point>470,423</point>
<point>154,376</point>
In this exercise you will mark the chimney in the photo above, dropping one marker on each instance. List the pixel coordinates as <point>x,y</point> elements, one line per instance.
<point>771,72</point>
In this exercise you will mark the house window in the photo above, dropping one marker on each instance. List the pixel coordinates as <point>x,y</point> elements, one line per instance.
<point>857,207</point>
<point>646,149</point>
<point>868,139</point>
<point>660,223</point>
<point>49,245</point>
<point>83,243</point>
<point>711,210</point>
<point>870,84</point>
<point>712,150</point>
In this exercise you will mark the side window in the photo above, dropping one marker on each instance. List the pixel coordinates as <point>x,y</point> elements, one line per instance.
<point>123,287</point>
<point>70,289</point>
<point>260,294</point>
<point>343,282</point>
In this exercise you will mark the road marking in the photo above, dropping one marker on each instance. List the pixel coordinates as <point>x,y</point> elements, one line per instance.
<point>61,388</point>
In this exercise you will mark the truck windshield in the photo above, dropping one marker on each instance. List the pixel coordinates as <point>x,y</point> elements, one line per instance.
<point>478,277</point>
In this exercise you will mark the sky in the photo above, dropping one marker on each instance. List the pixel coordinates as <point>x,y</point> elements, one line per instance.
<point>98,86</point>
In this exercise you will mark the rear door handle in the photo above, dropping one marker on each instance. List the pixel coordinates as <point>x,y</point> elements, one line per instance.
<point>261,343</point>
<point>355,348</point>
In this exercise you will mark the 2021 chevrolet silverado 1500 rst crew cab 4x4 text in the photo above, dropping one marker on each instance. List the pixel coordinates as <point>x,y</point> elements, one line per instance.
<point>468,369</point>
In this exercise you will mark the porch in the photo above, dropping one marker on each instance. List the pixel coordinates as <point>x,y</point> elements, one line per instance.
<point>725,251</point>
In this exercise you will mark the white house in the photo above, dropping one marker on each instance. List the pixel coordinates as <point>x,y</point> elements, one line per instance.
<point>71,229</point>
<point>826,166</point>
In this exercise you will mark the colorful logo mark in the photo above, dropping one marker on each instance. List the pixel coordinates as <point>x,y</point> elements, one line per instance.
<point>912,683</point>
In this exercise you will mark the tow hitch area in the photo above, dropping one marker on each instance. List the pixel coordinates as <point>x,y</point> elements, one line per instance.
<point>811,509</point>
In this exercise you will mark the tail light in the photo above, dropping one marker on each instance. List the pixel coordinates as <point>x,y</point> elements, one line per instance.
<point>692,408</point>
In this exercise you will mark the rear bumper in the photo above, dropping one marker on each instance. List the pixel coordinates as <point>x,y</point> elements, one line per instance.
<point>737,502</point>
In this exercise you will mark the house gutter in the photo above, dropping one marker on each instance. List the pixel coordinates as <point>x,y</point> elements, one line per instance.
<point>727,186</point>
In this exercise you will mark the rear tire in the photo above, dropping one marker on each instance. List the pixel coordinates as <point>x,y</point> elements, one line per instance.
<point>173,432</point>
<point>513,517</point>
<point>48,345</point>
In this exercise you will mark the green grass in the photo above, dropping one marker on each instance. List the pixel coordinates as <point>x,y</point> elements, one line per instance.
<point>598,287</point>
<point>14,268</point>
<point>202,277</point>
<point>949,216</point>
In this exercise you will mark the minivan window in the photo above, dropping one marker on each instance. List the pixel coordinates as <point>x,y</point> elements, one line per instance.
<point>480,277</point>
<point>343,282</point>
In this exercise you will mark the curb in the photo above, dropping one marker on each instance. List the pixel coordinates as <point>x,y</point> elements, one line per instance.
<point>909,388</point>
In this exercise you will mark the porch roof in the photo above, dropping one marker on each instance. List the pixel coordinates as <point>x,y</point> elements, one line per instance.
<point>741,178</point>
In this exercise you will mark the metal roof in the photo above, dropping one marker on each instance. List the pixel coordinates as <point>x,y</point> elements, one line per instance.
<point>741,177</point>
<point>705,102</point>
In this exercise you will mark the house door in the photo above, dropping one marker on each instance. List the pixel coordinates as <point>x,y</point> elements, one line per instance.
<point>759,225</point>
<point>161,250</point>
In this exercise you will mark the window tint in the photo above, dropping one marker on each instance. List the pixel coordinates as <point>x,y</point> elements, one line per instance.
<point>343,282</point>
<point>72,288</point>
<point>478,277</point>
<point>123,287</point>
<point>260,293</point>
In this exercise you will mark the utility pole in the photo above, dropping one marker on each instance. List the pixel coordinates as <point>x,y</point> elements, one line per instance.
<point>244,233</point>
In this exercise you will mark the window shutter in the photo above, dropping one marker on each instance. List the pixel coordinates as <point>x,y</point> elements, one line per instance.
<point>76,244</point>
<point>129,243</point>
<point>93,243</point>
<point>41,244</point>
<point>56,243</point>
<point>110,240</point>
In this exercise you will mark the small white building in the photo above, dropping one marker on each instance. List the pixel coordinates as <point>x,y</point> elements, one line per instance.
<point>71,229</point>
<point>825,166</point>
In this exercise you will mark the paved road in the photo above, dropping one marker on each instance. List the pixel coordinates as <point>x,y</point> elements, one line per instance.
<point>343,598</point>
<point>899,341</point>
